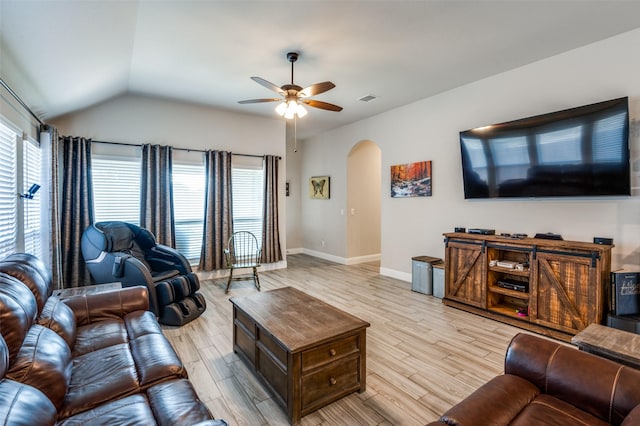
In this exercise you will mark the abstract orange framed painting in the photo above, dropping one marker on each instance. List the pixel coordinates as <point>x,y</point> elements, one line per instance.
<point>411,180</point>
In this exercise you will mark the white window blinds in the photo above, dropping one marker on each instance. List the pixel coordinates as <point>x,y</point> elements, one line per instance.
<point>116,189</point>
<point>32,173</point>
<point>188,208</point>
<point>8,191</point>
<point>247,193</point>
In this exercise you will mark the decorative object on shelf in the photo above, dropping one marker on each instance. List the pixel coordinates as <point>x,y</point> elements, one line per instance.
<point>411,180</point>
<point>625,293</point>
<point>319,187</point>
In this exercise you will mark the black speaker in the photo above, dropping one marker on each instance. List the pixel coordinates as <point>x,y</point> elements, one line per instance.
<point>459,229</point>
<point>603,241</point>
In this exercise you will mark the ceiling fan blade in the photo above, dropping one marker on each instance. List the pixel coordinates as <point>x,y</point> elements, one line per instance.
<point>322,105</point>
<point>255,101</point>
<point>269,85</point>
<point>316,89</point>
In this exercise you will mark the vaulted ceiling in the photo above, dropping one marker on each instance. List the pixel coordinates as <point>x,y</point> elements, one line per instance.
<point>62,56</point>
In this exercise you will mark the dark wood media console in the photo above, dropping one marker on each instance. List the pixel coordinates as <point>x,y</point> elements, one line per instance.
<point>566,282</point>
<point>306,351</point>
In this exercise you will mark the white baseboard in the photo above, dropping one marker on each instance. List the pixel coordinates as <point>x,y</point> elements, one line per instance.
<point>220,273</point>
<point>399,275</point>
<point>342,260</point>
<point>295,250</point>
<point>325,256</point>
<point>363,259</point>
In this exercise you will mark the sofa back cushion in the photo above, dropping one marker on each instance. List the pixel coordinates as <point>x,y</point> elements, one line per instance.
<point>602,388</point>
<point>44,362</point>
<point>29,277</point>
<point>58,316</point>
<point>18,310</point>
<point>35,263</point>
<point>22,404</point>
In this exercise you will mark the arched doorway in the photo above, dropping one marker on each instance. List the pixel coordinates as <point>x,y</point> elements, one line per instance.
<point>364,168</point>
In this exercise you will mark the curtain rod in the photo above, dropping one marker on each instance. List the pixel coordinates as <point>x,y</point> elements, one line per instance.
<point>179,149</point>
<point>17,98</point>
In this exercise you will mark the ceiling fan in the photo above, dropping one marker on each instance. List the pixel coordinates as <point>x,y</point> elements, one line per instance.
<point>294,96</point>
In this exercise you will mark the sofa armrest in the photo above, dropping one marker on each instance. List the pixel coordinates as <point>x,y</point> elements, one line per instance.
<point>89,308</point>
<point>568,374</point>
<point>633,418</point>
<point>497,402</point>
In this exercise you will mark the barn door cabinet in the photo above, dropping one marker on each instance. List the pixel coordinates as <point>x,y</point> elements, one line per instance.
<point>551,287</point>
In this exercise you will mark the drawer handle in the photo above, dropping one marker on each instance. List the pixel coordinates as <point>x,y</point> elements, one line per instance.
<point>332,352</point>
<point>332,381</point>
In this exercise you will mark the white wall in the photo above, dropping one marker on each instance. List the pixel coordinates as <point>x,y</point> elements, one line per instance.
<point>139,119</point>
<point>428,130</point>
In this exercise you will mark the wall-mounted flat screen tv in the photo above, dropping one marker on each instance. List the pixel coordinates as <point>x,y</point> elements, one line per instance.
<point>577,152</point>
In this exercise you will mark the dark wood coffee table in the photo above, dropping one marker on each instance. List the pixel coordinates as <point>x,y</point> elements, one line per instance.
<point>307,352</point>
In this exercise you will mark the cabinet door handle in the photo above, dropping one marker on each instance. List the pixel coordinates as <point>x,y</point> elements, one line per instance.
<point>332,352</point>
<point>332,381</point>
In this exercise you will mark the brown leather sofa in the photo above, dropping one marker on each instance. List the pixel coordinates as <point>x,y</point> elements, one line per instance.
<point>98,359</point>
<point>547,383</point>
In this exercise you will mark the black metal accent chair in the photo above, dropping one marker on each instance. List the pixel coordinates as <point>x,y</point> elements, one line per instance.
<point>126,253</point>
<point>243,252</point>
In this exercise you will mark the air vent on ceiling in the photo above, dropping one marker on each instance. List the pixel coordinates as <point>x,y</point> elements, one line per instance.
<point>367,98</point>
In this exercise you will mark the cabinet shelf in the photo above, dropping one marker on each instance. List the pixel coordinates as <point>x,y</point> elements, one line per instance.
<point>508,292</point>
<point>510,271</point>
<point>508,310</point>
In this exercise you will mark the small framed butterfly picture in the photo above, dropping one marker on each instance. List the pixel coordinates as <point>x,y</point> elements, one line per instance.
<point>319,187</point>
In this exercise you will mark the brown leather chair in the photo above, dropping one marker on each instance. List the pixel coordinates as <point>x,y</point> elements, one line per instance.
<point>546,382</point>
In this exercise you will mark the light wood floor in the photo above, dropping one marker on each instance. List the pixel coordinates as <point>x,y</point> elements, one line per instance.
<point>422,356</point>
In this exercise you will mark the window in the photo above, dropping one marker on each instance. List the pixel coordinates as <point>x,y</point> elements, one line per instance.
<point>31,172</point>
<point>116,188</point>
<point>247,193</point>
<point>8,191</point>
<point>188,208</point>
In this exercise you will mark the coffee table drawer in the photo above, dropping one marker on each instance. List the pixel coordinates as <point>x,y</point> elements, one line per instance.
<point>329,382</point>
<point>329,352</point>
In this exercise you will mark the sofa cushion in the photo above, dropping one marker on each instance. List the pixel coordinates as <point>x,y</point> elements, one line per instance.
<point>98,377</point>
<point>133,410</point>
<point>44,363</point>
<point>497,402</point>
<point>23,405</point>
<point>98,335</point>
<point>57,316</point>
<point>113,304</point>
<point>549,411</point>
<point>17,312</point>
<point>176,402</point>
<point>30,277</point>
<point>155,359</point>
<point>36,264</point>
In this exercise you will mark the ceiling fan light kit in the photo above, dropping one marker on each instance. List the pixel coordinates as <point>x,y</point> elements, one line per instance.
<point>294,96</point>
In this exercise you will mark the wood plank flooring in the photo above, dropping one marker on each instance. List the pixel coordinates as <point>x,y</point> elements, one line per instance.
<point>422,356</point>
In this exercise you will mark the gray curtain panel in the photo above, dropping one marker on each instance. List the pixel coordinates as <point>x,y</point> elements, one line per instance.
<point>76,208</point>
<point>51,151</point>
<point>156,193</point>
<point>217,210</point>
<point>271,251</point>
